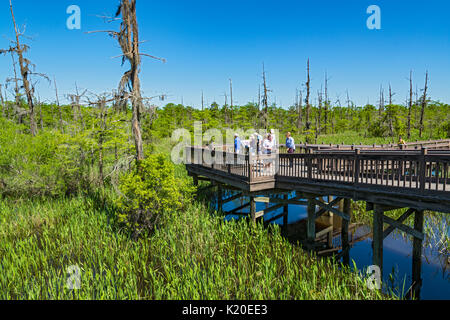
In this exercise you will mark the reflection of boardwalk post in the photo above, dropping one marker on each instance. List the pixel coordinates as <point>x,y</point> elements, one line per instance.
<point>311,226</point>
<point>330,234</point>
<point>378,237</point>
<point>195,178</point>
<point>417,256</point>
<point>344,232</point>
<point>219,198</point>
<point>285,213</point>
<point>253,209</point>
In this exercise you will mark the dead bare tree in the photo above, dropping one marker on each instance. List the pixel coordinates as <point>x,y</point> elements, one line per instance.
<point>25,70</point>
<point>76,105</point>
<point>424,105</point>
<point>265,101</point>
<point>128,38</point>
<point>61,127</point>
<point>326,105</point>
<point>391,95</point>
<point>381,101</point>
<point>225,108</point>
<point>410,104</point>
<point>299,105</point>
<point>6,104</point>
<point>2,100</point>
<point>231,99</point>
<point>16,83</point>
<point>203,101</point>
<point>259,97</point>
<point>308,94</point>
<point>41,118</point>
<point>319,116</point>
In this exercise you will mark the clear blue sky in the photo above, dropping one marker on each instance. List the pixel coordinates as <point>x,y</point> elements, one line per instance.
<point>208,42</point>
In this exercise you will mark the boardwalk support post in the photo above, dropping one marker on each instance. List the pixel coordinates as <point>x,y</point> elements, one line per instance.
<point>311,226</point>
<point>285,213</point>
<point>417,256</point>
<point>253,209</point>
<point>195,177</point>
<point>219,198</point>
<point>378,215</point>
<point>344,232</point>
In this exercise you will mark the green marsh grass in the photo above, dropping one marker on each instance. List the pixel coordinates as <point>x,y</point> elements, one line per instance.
<point>193,255</point>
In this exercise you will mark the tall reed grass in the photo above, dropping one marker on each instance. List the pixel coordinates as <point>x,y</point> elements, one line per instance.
<point>192,256</point>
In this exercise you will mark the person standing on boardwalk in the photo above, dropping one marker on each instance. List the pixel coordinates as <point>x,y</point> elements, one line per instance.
<point>259,141</point>
<point>274,140</point>
<point>237,143</point>
<point>268,144</point>
<point>290,143</point>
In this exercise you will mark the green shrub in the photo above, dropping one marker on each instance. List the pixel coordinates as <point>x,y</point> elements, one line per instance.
<point>150,192</point>
<point>32,166</point>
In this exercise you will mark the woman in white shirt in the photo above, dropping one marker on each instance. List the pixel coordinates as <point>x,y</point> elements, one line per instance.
<point>268,144</point>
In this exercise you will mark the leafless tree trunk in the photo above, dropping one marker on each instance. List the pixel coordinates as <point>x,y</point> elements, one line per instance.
<point>41,118</point>
<point>308,94</point>
<point>231,99</point>
<point>2,100</point>
<point>76,106</point>
<point>265,102</point>
<point>381,109</point>
<point>424,105</point>
<point>61,128</point>
<point>299,110</point>
<point>103,116</point>
<point>391,95</point>
<point>6,106</point>
<point>203,101</point>
<point>128,38</point>
<point>259,97</point>
<point>225,108</point>
<point>326,105</point>
<point>319,122</point>
<point>16,83</point>
<point>24,70</point>
<point>410,104</point>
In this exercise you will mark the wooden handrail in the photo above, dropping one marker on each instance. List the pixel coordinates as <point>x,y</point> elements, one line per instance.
<point>423,170</point>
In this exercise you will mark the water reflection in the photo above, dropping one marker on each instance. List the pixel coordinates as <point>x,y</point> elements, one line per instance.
<point>397,248</point>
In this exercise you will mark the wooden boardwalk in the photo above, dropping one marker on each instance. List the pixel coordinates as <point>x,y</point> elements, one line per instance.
<point>420,177</point>
<point>415,176</point>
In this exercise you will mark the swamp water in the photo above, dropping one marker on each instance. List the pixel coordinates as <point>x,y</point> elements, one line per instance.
<point>397,250</point>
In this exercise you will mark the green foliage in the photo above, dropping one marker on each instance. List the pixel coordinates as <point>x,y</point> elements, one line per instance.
<point>54,163</point>
<point>150,192</point>
<point>192,256</point>
<point>33,166</point>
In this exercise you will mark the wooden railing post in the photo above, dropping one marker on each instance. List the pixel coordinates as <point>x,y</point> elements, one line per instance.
<point>309,164</point>
<point>357,166</point>
<point>250,175</point>
<point>423,169</point>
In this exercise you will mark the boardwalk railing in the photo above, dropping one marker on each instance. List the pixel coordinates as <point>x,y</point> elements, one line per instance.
<point>424,171</point>
<point>248,168</point>
<point>418,145</point>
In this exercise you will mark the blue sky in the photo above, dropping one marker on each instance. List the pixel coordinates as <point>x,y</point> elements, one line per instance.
<point>208,42</point>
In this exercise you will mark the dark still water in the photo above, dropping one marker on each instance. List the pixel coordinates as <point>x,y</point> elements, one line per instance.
<point>397,251</point>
